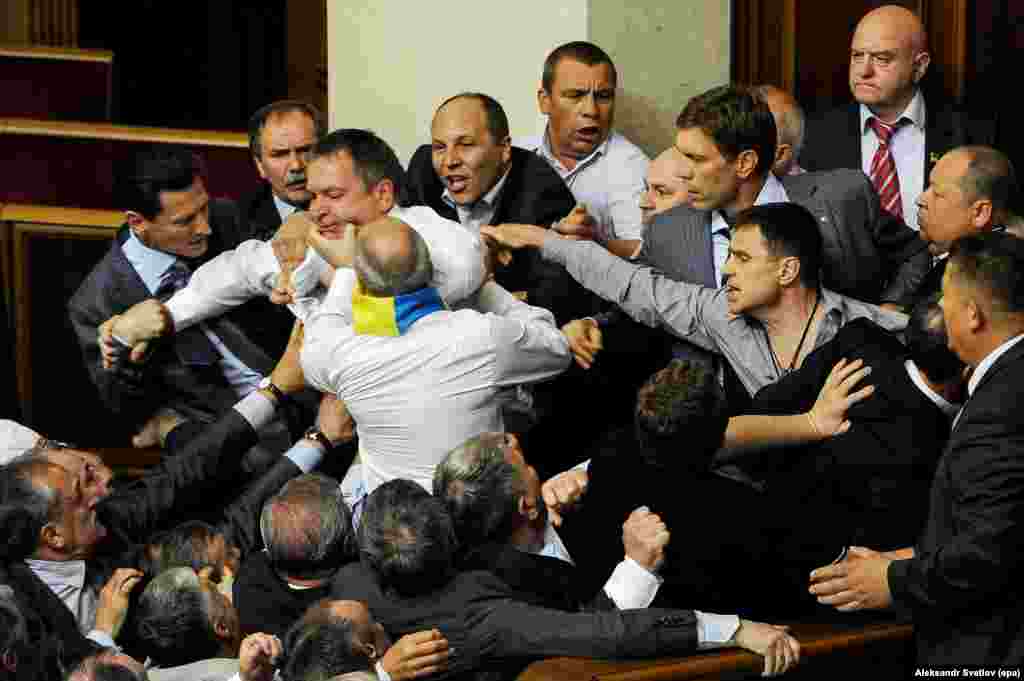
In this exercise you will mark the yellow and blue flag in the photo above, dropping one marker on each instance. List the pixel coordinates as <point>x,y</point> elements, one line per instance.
<point>392,315</point>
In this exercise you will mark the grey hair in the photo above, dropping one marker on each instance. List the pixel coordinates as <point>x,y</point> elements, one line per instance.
<point>307,527</point>
<point>27,504</point>
<point>480,489</point>
<point>173,618</point>
<point>380,278</point>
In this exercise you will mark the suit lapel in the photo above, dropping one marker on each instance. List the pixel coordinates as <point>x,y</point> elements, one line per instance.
<point>849,151</point>
<point>1015,354</point>
<point>127,287</point>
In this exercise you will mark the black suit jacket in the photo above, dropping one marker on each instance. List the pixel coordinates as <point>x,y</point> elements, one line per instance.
<point>264,600</point>
<point>875,477</point>
<point>533,194</point>
<point>492,631</point>
<point>133,392</point>
<point>966,581</point>
<point>539,580</point>
<point>868,254</point>
<point>833,139</point>
<point>259,213</point>
<point>166,495</point>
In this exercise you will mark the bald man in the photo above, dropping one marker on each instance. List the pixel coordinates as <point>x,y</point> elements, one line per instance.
<point>888,59</point>
<point>789,126</point>
<point>419,379</point>
<point>665,185</point>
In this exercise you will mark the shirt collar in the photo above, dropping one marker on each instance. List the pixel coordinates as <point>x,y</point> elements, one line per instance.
<point>149,263</point>
<point>990,359</point>
<point>488,200</point>
<point>548,152</point>
<point>947,407</point>
<point>284,209</point>
<point>61,576</point>
<point>915,113</point>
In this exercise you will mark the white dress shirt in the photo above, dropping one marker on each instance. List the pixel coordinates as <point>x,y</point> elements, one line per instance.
<point>480,211</point>
<point>417,396</point>
<point>251,270</point>
<point>907,147</point>
<point>609,181</point>
<point>151,266</point>
<point>772,191</point>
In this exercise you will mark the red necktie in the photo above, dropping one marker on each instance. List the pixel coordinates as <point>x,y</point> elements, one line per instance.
<point>883,167</point>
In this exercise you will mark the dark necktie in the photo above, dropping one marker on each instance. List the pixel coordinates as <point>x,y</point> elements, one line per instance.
<point>192,345</point>
<point>730,222</point>
<point>883,167</point>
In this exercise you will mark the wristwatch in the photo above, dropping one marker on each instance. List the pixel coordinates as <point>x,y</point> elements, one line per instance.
<point>268,386</point>
<point>315,435</point>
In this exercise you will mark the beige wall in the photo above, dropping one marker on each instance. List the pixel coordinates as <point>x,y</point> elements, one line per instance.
<point>391,62</point>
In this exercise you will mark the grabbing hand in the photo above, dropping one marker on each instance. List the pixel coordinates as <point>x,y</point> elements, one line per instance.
<point>257,656</point>
<point>859,582</point>
<point>337,252</point>
<point>563,491</point>
<point>334,420</point>
<point>418,654</point>
<point>828,415</point>
<point>514,236</point>
<point>113,601</point>
<point>644,537</point>
<point>584,336</point>
<point>578,225</point>
<point>780,650</point>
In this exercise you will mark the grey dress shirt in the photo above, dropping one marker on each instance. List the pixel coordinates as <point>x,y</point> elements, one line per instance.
<point>698,314</point>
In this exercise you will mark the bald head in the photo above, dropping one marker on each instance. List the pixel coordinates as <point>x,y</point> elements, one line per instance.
<point>888,57</point>
<point>391,258</point>
<point>789,123</point>
<point>666,184</point>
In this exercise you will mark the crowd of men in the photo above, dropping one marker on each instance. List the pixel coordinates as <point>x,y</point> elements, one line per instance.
<point>543,398</point>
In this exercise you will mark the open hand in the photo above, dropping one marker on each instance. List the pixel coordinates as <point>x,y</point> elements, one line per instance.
<point>418,654</point>
<point>578,225</point>
<point>584,336</point>
<point>828,415</point>
<point>780,650</point>
<point>515,236</point>
<point>113,601</point>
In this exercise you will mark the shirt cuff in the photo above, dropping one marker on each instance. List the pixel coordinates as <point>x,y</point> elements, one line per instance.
<point>585,466</point>
<point>631,585</point>
<point>381,674</point>
<point>102,638</point>
<point>715,628</point>
<point>257,409</point>
<point>306,455</point>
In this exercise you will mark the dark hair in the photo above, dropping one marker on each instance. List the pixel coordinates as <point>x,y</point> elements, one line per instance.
<point>100,668</point>
<point>406,536</point>
<point>926,341</point>
<point>789,230</point>
<point>186,545</point>
<point>373,158</point>
<point>681,416</point>
<point>480,489</point>
<point>995,262</point>
<point>26,506</point>
<point>585,53</point>
<point>172,619</point>
<point>258,121</point>
<point>321,648</point>
<point>990,175</point>
<point>307,527</point>
<point>497,121</point>
<point>140,179</point>
<point>736,119</point>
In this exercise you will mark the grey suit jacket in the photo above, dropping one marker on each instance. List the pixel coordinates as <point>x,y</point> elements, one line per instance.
<point>868,254</point>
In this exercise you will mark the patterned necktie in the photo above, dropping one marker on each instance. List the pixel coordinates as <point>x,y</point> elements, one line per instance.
<point>883,167</point>
<point>191,345</point>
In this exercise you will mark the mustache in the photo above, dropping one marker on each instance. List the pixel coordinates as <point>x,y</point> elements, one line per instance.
<point>293,176</point>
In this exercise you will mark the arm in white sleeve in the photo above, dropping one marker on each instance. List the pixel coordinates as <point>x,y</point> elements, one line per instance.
<point>631,585</point>
<point>528,347</point>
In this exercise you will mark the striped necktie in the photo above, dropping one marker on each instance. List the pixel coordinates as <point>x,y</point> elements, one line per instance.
<point>883,167</point>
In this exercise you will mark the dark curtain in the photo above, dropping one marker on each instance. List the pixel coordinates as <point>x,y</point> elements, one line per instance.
<point>190,64</point>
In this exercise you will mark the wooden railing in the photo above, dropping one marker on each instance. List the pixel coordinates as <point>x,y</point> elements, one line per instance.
<point>71,163</point>
<point>57,82</point>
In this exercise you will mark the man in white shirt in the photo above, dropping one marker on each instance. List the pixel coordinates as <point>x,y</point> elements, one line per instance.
<point>438,380</point>
<point>604,170</point>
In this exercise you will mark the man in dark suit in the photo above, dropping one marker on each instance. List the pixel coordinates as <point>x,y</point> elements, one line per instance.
<point>471,173</point>
<point>502,525</point>
<point>172,226</point>
<point>888,59</point>
<point>971,190</point>
<point>728,135</point>
<point>963,578</point>
<point>58,509</point>
<point>408,581</point>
